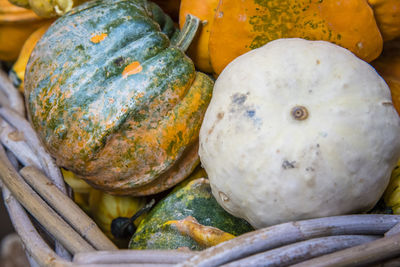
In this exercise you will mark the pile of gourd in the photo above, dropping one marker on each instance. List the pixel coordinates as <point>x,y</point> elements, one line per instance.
<point>278,99</point>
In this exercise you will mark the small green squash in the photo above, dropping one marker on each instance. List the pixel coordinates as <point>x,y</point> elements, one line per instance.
<point>116,100</point>
<point>191,198</point>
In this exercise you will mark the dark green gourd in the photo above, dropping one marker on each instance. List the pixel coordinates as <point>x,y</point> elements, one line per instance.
<point>192,198</point>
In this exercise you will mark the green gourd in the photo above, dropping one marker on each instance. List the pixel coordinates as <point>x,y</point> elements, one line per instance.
<point>114,98</point>
<point>191,198</point>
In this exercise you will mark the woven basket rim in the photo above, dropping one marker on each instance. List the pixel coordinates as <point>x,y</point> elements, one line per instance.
<point>346,234</point>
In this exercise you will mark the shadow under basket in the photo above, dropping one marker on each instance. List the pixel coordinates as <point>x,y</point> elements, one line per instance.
<point>56,232</point>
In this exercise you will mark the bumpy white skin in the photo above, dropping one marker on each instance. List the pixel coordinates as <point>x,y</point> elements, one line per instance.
<point>267,167</point>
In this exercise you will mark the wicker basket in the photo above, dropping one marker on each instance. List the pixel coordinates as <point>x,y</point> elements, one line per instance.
<point>55,232</point>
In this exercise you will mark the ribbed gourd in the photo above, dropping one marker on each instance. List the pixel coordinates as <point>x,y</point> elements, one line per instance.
<point>190,217</point>
<point>114,98</point>
<point>235,27</point>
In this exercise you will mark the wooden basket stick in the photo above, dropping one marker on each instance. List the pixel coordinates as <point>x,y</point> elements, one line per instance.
<point>301,251</point>
<point>14,161</point>
<point>131,264</point>
<point>12,140</point>
<point>39,208</point>
<point>3,99</point>
<point>286,233</point>
<point>14,97</point>
<point>33,242</point>
<point>14,100</point>
<point>389,263</point>
<point>361,255</point>
<point>46,161</point>
<point>394,230</point>
<point>71,212</point>
<point>133,256</point>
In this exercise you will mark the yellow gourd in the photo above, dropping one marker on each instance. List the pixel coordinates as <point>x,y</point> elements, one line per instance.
<point>387,16</point>
<point>80,189</point>
<point>77,184</point>
<point>392,192</point>
<point>48,8</point>
<point>104,208</point>
<point>18,69</point>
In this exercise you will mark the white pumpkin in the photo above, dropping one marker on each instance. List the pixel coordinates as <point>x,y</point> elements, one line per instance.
<point>299,129</point>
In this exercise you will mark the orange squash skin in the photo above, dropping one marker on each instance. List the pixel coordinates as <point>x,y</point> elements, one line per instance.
<point>388,66</point>
<point>198,50</point>
<point>240,26</point>
<point>387,15</point>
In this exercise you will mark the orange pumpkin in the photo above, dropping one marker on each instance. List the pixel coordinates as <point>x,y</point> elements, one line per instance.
<point>240,26</point>
<point>16,24</point>
<point>204,10</point>
<point>104,208</point>
<point>388,66</point>
<point>387,15</point>
<point>251,24</point>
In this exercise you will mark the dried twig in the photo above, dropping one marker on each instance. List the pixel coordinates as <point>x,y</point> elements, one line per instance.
<point>15,100</point>
<point>133,256</point>
<point>121,265</point>
<point>34,244</point>
<point>297,252</point>
<point>20,211</point>
<point>39,209</point>
<point>3,99</point>
<point>287,233</point>
<point>389,263</point>
<point>46,161</point>
<point>394,230</point>
<point>362,255</point>
<point>67,209</point>
<point>13,140</point>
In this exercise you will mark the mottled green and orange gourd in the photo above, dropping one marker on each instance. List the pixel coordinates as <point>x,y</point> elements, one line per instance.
<point>115,99</point>
<point>189,216</point>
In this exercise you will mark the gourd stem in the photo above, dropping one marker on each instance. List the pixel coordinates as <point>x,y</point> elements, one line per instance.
<point>146,208</point>
<point>123,227</point>
<point>187,34</point>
